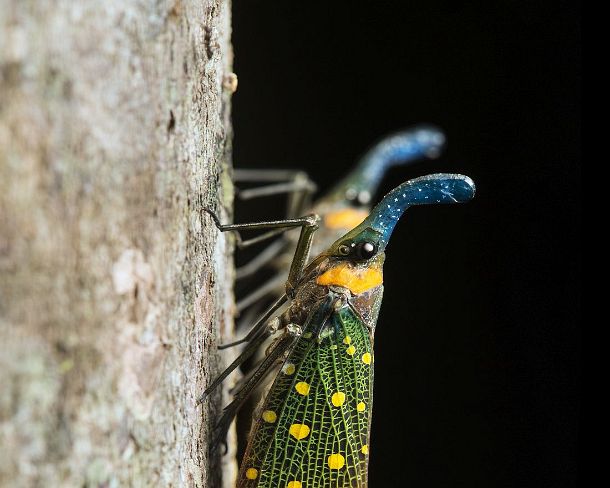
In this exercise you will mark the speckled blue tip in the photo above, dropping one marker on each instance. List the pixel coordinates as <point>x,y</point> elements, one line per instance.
<point>431,189</point>
<point>399,148</point>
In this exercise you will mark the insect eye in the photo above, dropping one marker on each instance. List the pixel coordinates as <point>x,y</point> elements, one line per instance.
<point>351,194</point>
<point>344,249</point>
<point>366,250</point>
<point>364,197</point>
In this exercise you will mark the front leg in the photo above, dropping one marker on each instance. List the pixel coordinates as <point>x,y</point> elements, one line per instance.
<point>296,184</point>
<point>308,224</point>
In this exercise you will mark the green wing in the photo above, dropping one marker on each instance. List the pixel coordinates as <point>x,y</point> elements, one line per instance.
<point>313,428</point>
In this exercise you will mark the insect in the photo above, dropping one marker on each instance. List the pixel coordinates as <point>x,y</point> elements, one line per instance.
<point>312,429</point>
<point>341,209</point>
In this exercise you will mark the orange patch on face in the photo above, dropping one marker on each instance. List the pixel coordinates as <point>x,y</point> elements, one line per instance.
<point>345,219</point>
<point>356,280</point>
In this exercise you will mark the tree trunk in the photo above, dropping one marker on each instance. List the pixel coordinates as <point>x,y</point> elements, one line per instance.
<point>114,134</point>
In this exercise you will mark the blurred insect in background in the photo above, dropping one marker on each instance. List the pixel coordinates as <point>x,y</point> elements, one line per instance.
<point>341,209</point>
<point>312,429</point>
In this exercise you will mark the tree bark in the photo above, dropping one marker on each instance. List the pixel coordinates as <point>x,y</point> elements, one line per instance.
<point>114,134</point>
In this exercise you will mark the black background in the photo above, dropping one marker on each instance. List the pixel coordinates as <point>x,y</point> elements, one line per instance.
<point>478,344</point>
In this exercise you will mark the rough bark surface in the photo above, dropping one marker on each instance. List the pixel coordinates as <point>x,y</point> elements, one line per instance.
<point>114,133</point>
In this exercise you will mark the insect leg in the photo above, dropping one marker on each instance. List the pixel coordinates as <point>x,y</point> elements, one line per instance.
<point>263,290</point>
<point>259,326</point>
<point>277,227</point>
<point>239,384</point>
<point>249,317</point>
<point>266,366</point>
<point>301,253</point>
<point>277,189</point>
<point>308,225</point>
<point>267,255</point>
<point>296,184</point>
<point>270,329</point>
<point>259,175</point>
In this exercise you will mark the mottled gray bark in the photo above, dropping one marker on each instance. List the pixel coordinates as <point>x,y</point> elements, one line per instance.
<point>114,133</point>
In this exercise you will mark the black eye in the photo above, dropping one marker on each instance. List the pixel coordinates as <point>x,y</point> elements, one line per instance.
<point>344,249</point>
<point>365,250</point>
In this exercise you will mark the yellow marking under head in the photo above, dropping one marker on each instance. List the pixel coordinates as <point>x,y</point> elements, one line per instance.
<point>302,388</point>
<point>289,369</point>
<point>252,473</point>
<point>269,416</point>
<point>367,358</point>
<point>338,399</point>
<point>336,461</point>
<point>351,350</point>
<point>347,218</point>
<point>365,449</point>
<point>294,484</point>
<point>355,279</point>
<point>361,407</point>
<point>347,340</point>
<point>299,431</point>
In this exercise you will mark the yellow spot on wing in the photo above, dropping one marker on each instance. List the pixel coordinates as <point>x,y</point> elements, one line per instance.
<point>299,431</point>
<point>351,350</point>
<point>302,388</point>
<point>361,407</point>
<point>338,399</point>
<point>355,279</point>
<point>345,219</point>
<point>252,473</point>
<point>336,461</point>
<point>365,449</point>
<point>289,369</point>
<point>294,484</point>
<point>347,340</point>
<point>269,416</point>
<point>366,358</point>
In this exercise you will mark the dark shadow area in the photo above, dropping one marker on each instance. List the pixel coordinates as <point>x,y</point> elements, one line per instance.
<point>478,343</point>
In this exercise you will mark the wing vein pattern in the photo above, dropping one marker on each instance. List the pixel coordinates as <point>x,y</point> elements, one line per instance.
<point>313,427</point>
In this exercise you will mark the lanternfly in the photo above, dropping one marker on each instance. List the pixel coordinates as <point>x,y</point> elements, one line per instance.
<point>312,429</point>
